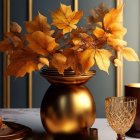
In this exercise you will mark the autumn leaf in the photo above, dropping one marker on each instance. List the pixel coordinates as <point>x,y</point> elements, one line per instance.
<point>75,33</point>
<point>118,62</point>
<point>41,43</point>
<point>129,54</point>
<point>77,41</point>
<point>44,61</point>
<point>17,42</point>
<point>22,62</point>
<point>9,44</point>
<point>102,58</point>
<point>15,27</point>
<point>113,27</point>
<point>99,32</point>
<point>72,60</point>
<point>86,38</point>
<point>114,16</point>
<point>76,37</point>
<point>66,19</point>
<point>83,41</point>
<point>39,24</point>
<point>86,59</point>
<point>6,46</point>
<point>98,14</point>
<point>112,30</point>
<point>117,30</point>
<point>79,61</point>
<point>114,42</point>
<point>12,40</point>
<point>58,61</point>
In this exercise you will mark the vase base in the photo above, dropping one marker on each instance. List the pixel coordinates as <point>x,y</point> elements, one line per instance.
<point>133,133</point>
<point>85,134</point>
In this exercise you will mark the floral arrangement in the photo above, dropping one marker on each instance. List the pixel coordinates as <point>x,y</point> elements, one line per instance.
<point>67,46</point>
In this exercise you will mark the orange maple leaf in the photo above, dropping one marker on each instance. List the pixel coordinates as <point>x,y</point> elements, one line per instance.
<point>73,61</point>
<point>86,59</point>
<point>79,61</point>
<point>66,19</point>
<point>21,62</point>
<point>58,61</point>
<point>112,29</point>
<point>12,40</point>
<point>114,16</point>
<point>39,24</point>
<point>41,43</point>
<point>15,39</point>
<point>6,46</point>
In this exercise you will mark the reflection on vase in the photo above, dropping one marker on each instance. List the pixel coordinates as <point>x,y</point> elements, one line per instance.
<point>68,106</point>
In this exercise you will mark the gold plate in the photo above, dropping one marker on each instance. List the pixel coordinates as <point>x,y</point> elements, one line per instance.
<point>12,131</point>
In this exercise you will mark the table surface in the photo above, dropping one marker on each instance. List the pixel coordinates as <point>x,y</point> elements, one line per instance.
<point>31,118</point>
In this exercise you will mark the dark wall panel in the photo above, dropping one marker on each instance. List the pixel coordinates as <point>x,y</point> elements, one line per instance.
<point>1,77</point>
<point>19,86</point>
<point>101,85</point>
<point>40,85</point>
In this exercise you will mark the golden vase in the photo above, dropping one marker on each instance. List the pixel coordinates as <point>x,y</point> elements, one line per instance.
<point>68,106</point>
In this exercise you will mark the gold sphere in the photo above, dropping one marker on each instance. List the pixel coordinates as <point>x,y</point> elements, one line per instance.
<point>67,109</point>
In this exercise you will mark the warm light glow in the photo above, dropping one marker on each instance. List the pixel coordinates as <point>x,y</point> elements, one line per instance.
<point>81,102</point>
<point>137,85</point>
